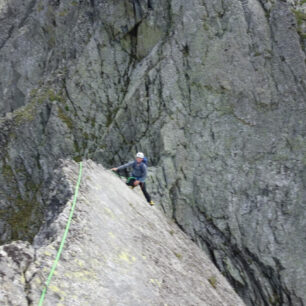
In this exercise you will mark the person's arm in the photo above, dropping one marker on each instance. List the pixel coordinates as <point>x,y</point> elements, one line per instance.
<point>123,166</point>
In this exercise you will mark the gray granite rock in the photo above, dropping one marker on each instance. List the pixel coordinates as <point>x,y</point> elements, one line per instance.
<point>119,251</point>
<point>212,91</point>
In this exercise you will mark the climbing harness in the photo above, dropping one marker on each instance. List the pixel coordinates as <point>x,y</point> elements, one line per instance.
<point>63,239</point>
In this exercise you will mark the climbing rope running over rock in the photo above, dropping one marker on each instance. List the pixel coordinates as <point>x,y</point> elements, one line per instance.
<point>63,239</point>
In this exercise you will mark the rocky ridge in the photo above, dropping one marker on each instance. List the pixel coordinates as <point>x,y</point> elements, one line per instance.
<point>119,251</point>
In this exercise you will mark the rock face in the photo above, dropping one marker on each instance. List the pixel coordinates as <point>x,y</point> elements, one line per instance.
<point>119,251</point>
<point>212,91</point>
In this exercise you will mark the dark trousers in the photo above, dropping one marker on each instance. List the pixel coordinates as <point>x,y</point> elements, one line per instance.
<point>144,190</point>
<point>130,182</point>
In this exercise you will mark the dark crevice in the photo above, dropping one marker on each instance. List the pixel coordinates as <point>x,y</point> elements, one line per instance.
<point>69,98</point>
<point>133,37</point>
<point>19,256</point>
<point>45,116</point>
<point>169,19</point>
<point>138,13</point>
<point>28,13</point>
<point>27,283</point>
<point>8,37</point>
<point>247,14</point>
<point>150,5</point>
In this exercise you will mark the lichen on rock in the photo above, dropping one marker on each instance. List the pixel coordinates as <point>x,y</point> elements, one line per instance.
<point>212,91</point>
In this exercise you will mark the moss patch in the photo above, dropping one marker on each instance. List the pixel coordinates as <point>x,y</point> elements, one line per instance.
<point>213,281</point>
<point>178,255</point>
<point>25,114</point>
<point>77,158</point>
<point>25,216</point>
<point>67,120</point>
<point>24,220</point>
<point>37,97</point>
<point>300,19</point>
<point>275,299</point>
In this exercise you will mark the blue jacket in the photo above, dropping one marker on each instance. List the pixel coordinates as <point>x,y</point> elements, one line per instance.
<point>139,170</point>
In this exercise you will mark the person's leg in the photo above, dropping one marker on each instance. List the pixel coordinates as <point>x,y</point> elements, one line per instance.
<point>144,190</point>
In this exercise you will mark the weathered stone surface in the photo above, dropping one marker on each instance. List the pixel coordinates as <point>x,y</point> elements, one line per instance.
<point>119,251</point>
<point>212,91</point>
<point>15,259</point>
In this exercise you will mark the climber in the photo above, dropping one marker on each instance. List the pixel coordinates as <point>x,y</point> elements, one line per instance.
<point>139,174</point>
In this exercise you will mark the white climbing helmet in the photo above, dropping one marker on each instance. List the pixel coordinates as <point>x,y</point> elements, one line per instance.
<point>140,155</point>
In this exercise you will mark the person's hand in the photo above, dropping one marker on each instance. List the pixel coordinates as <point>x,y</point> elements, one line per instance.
<point>114,169</point>
<point>136,183</point>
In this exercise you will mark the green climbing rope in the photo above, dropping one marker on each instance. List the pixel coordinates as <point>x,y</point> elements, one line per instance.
<point>63,239</point>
